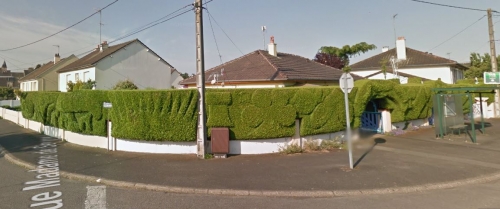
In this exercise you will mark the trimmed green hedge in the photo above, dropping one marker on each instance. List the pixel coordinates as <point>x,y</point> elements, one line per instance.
<point>159,115</point>
<point>171,115</point>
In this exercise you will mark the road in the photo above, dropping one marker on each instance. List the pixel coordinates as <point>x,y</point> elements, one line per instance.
<point>75,194</point>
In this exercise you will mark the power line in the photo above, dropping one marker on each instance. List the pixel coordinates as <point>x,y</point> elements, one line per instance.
<point>130,34</point>
<point>210,15</point>
<point>141,27</point>
<point>157,22</point>
<point>60,30</point>
<point>451,6</point>
<point>457,33</point>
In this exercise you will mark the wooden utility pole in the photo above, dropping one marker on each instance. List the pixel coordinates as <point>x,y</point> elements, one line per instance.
<point>201,135</point>
<point>494,65</point>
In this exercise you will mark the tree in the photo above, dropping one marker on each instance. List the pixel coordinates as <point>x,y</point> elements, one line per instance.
<point>38,66</point>
<point>330,60</point>
<point>125,85</point>
<point>347,52</point>
<point>478,65</point>
<point>383,65</point>
<point>184,75</point>
<point>79,85</point>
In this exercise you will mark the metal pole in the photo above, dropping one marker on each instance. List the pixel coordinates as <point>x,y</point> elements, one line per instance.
<point>394,26</point>
<point>472,122</point>
<point>494,65</point>
<point>100,26</point>
<point>482,115</point>
<point>200,80</point>
<point>348,122</point>
<point>440,115</point>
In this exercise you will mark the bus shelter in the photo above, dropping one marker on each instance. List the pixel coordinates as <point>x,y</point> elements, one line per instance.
<point>448,109</point>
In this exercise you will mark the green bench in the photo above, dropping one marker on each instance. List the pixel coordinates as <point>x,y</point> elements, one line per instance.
<point>459,128</point>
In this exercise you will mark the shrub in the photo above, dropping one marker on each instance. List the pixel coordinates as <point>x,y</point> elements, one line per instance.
<point>80,85</point>
<point>332,144</point>
<point>311,145</point>
<point>7,93</point>
<point>291,149</point>
<point>125,85</point>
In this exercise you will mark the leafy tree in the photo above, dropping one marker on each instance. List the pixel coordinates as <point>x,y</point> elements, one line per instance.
<point>383,66</point>
<point>79,85</point>
<point>347,52</point>
<point>478,65</point>
<point>125,85</point>
<point>184,75</point>
<point>38,66</point>
<point>330,60</point>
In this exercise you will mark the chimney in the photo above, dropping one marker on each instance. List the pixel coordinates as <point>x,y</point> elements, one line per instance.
<point>57,58</point>
<point>104,46</point>
<point>271,48</point>
<point>401,48</point>
<point>385,48</point>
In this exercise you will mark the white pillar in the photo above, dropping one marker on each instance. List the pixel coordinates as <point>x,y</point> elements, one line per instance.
<point>386,120</point>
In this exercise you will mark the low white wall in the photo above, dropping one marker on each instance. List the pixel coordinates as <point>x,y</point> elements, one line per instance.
<point>53,132</point>
<point>86,140</point>
<point>156,147</point>
<point>10,115</point>
<point>35,126</point>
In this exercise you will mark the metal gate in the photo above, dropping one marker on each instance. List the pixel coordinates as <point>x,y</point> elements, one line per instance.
<point>372,121</point>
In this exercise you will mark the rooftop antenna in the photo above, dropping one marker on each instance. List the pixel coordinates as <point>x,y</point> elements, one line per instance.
<point>57,48</point>
<point>449,55</point>
<point>100,24</point>
<point>394,26</point>
<point>263,28</point>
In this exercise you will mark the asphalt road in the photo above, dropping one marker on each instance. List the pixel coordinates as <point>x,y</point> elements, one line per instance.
<point>74,195</point>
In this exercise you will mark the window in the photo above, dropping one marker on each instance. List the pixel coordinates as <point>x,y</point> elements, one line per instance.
<point>85,76</point>
<point>67,78</point>
<point>77,77</point>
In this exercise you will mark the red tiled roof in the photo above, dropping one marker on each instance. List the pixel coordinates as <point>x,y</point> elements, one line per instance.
<point>261,66</point>
<point>414,58</point>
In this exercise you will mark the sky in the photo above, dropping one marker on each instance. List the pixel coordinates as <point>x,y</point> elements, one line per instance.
<point>300,27</point>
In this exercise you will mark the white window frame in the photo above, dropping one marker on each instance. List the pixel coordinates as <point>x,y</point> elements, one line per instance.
<point>67,78</point>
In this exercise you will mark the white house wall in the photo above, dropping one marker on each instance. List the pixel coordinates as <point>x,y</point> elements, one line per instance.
<point>63,79</point>
<point>175,78</point>
<point>136,63</point>
<point>432,73</point>
<point>364,73</point>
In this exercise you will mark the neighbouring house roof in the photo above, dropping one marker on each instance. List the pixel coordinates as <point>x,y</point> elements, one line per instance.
<point>95,56</point>
<point>259,65</point>
<point>414,59</point>
<point>8,76</point>
<point>37,73</point>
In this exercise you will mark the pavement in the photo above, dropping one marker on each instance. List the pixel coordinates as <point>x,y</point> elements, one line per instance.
<point>413,162</point>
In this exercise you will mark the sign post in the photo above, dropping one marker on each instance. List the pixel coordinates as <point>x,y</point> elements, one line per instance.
<point>346,84</point>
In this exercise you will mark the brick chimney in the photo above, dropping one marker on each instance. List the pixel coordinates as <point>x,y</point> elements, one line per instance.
<point>401,48</point>
<point>57,58</point>
<point>104,46</point>
<point>271,48</point>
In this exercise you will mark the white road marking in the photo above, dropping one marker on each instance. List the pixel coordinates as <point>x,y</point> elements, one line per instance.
<point>96,197</point>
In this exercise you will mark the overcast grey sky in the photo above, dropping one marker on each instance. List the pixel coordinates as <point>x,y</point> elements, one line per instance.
<point>300,27</point>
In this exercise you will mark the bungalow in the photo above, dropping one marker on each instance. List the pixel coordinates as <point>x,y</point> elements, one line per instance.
<point>45,77</point>
<point>411,62</point>
<point>269,69</point>
<point>107,65</point>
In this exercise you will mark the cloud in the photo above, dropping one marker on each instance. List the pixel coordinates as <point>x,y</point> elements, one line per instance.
<point>17,31</point>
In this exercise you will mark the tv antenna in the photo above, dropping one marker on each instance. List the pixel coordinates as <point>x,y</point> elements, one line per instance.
<point>394,26</point>
<point>57,48</point>
<point>100,23</point>
<point>263,28</point>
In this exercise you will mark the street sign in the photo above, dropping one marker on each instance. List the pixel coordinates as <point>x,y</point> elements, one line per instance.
<point>346,82</point>
<point>107,105</point>
<point>491,77</point>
